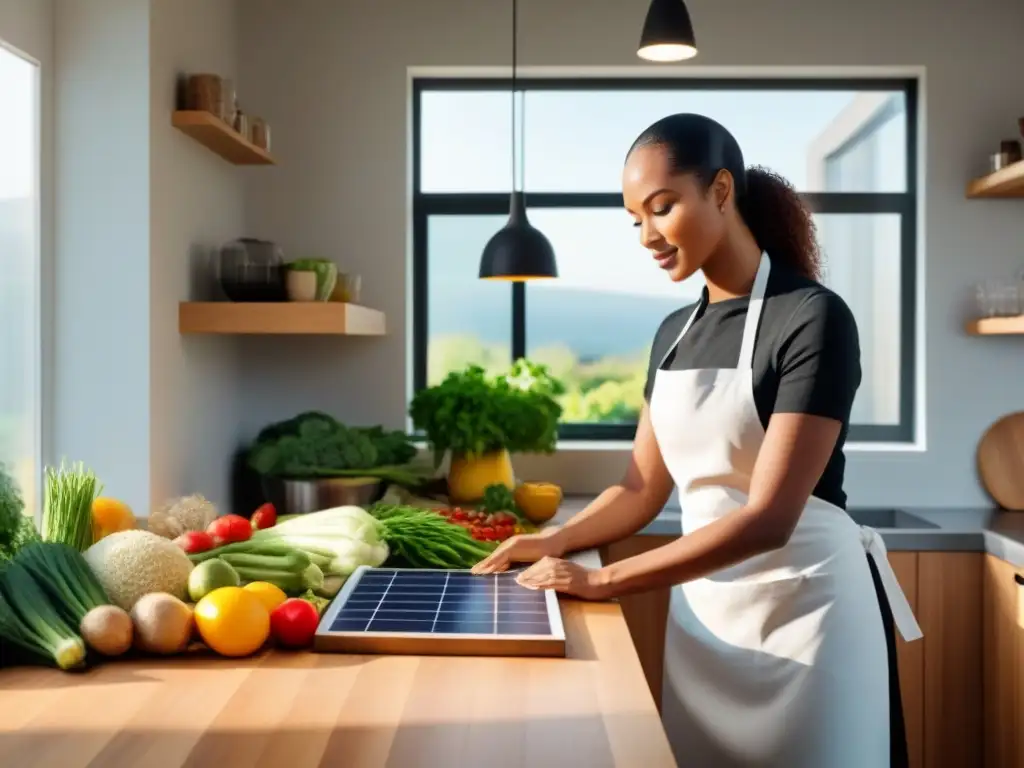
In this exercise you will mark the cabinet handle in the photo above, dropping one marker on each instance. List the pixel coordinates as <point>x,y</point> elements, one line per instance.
<point>1019,579</point>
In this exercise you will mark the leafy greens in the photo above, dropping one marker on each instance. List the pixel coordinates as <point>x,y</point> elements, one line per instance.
<point>315,444</point>
<point>472,414</point>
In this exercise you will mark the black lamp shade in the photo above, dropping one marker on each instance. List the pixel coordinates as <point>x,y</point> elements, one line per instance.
<point>518,251</point>
<point>668,32</point>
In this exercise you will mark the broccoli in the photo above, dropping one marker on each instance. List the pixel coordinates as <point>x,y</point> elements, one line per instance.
<point>315,444</point>
<point>16,528</point>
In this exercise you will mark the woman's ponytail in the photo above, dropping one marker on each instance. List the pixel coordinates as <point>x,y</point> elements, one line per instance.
<point>780,222</point>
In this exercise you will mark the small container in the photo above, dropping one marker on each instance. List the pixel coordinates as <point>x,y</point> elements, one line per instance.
<point>1010,148</point>
<point>205,93</point>
<point>347,289</point>
<point>260,133</point>
<point>228,102</point>
<point>241,123</point>
<point>301,285</point>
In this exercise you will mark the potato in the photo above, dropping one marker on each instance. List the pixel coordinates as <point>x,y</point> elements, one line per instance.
<point>108,630</point>
<point>163,624</point>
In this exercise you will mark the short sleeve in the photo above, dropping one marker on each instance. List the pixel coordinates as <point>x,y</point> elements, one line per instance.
<point>818,361</point>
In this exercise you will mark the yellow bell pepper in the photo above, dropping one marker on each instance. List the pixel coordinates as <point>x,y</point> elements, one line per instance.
<point>538,501</point>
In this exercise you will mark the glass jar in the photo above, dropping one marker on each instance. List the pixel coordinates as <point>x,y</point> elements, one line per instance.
<point>252,270</point>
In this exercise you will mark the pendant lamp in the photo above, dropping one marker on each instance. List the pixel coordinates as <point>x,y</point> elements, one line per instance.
<point>668,33</point>
<point>518,251</point>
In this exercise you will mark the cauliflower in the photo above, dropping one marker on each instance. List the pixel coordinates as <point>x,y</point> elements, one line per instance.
<point>189,513</point>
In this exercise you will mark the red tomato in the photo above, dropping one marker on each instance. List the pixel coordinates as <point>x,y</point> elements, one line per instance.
<point>293,623</point>
<point>264,517</point>
<point>195,541</point>
<point>459,515</point>
<point>229,529</point>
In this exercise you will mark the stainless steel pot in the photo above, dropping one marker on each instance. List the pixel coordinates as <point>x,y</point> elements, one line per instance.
<point>299,497</point>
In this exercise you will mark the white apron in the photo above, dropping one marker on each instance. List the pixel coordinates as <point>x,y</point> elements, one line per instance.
<point>779,661</point>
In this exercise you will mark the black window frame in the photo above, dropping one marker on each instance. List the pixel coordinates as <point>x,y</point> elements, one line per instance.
<point>905,204</point>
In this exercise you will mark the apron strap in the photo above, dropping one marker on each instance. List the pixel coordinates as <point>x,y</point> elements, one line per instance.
<point>902,613</point>
<point>746,360</point>
<point>689,322</point>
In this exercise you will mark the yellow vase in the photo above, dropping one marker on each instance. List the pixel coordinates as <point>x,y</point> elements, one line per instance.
<point>468,477</point>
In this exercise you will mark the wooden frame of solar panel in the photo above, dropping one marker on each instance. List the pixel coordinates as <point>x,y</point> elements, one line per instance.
<point>344,627</point>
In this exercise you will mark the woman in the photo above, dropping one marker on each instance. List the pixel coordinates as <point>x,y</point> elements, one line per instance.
<point>779,649</point>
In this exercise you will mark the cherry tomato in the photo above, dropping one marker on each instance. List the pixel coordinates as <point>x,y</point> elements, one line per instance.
<point>293,623</point>
<point>195,541</point>
<point>229,529</point>
<point>264,517</point>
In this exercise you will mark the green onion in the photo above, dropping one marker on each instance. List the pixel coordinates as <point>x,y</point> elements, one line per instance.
<point>67,505</point>
<point>29,620</point>
<point>424,539</point>
<point>65,577</point>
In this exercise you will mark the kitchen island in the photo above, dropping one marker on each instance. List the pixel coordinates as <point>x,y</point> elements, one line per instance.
<point>299,710</point>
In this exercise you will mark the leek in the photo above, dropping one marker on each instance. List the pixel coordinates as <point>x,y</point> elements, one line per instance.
<point>29,620</point>
<point>62,573</point>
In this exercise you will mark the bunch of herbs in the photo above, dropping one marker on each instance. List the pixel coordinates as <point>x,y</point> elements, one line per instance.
<point>470,413</point>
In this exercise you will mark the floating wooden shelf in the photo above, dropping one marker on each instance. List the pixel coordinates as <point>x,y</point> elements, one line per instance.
<point>216,135</point>
<point>996,326</point>
<point>287,317</point>
<point>1006,182</point>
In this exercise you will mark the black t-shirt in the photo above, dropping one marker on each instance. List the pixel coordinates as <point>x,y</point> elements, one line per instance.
<point>806,355</point>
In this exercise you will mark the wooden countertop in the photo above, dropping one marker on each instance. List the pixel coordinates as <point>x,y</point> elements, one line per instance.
<point>299,710</point>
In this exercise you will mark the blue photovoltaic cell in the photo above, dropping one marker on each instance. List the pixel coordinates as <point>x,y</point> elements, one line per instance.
<point>442,602</point>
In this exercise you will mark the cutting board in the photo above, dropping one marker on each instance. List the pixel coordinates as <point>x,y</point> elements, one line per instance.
<point>1001,461</point>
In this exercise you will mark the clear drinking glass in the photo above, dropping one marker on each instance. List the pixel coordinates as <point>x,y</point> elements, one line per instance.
<point>985,296</point>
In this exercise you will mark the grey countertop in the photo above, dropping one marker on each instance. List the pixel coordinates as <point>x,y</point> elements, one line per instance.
<point>935,529</point>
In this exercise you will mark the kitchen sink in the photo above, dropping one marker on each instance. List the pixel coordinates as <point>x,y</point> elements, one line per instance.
<point>882,518</point>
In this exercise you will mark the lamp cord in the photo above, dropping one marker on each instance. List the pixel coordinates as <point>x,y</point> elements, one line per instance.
<point>514,50</point>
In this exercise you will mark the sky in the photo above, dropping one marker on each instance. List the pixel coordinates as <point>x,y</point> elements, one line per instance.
<point>17,126</point>
<point>576,142</point>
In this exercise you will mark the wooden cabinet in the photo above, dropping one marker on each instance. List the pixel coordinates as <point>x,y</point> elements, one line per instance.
<point>949,588</point>
<point>940,675</point>
<point>1003,644</point>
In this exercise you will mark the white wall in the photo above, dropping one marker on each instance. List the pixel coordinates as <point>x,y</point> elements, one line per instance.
<point>101,401</point>
<point>153,414</point>
<point>331,77</point>
<point>195,206</point>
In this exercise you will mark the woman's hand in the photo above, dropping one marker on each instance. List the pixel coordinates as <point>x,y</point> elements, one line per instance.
<point>565,576</point>
<point>527,548</point>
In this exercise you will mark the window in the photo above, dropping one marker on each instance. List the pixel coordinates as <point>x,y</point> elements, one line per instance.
<point>19,272</point>
<point>849,146</point>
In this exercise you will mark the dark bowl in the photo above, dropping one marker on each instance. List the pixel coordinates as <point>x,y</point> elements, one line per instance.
<point>254,283</point>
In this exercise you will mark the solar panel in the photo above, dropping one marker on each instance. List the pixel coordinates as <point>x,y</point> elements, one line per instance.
<point>438,612</point>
